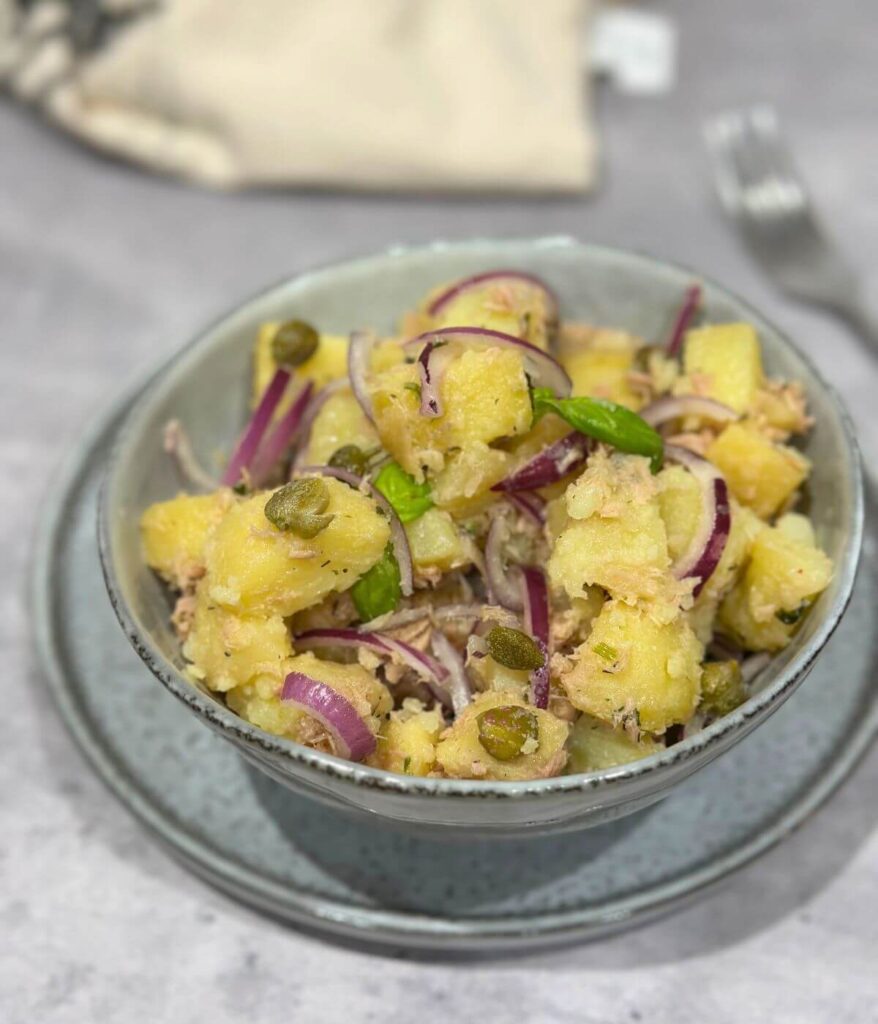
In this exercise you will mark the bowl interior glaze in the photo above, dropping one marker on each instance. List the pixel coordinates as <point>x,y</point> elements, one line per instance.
<point>206,384</point>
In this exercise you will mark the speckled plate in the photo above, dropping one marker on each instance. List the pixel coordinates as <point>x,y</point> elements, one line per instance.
<point>317,868</point>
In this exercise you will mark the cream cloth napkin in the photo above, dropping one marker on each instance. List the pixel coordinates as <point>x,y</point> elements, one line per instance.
<point>381,94</point>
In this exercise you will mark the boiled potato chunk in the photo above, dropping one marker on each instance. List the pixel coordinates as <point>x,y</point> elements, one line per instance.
<point>681,504</point>
<point>484,396</point>
<point>340,421</point>
<point>513,307</point>
<point>463,487</point>
<point>632,667</point>
<point>174,533</point>
<point>724,361</point>
<point>595,745</point>
<point>601,366</point>
<point>461,755</point>
<point>407,742</point>
<point>760,474</point>
<point>491,675</point>
<point>436,543</point>
<point>615,536</point>
<point>254,567</point>
<point>228,650</point>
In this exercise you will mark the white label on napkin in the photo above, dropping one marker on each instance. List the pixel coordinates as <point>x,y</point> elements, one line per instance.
<point>637,49</point>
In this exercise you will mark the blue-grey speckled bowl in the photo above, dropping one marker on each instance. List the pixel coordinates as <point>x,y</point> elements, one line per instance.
<point>601,285</point>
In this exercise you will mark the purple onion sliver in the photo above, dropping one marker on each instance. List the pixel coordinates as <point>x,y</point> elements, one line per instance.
<point>431,403</point>
<point>691,300</point>
<point>359,354</point>
<point>536,622</point>
<point>457,683</point>
<point>273,448</point>
<point>530,505</point>
<point>501,582</point>
<point>398,537</point>
<point>675,407</point>
<point>467,283</point>
<point>353,738</point>
<point>246,449</point>
<point>553,463</point>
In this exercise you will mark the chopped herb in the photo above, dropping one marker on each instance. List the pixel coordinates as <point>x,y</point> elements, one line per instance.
<point>379,591</point>
<point>406,764</point>
<point>409,499</point>
<point>606,652</point>
<point>413,386</point>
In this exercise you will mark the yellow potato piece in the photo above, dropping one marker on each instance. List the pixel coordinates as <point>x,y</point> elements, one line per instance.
<point>461,755</point>
<point>595,746</point>
<point>254,567</point>
<point>760,473</point>
<point>723,361</point>
<point>436,543</point>
<point>340,421</point>
<point>174,533</point>
<point>632,666</point>
<point>407,741</point>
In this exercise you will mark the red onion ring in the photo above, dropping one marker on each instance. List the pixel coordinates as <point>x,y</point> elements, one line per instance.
<point>431,401</point>
<point>546,369</point>
<point>530,505</point>
<point>352,737</point>
<point>247,446</point>
<point>458,684</point>
<point>359,356</point>
<point>503,587</point>
<point>468,283</point>
<point>536,622</point>
<point>675,407</point>
<point>687,310</point>
<point>552,464</point>
<point>706,548</point>
<point>273,447</point>
<point>398,537</point>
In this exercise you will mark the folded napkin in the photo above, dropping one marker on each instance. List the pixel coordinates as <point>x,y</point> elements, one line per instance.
<point>374,94</point>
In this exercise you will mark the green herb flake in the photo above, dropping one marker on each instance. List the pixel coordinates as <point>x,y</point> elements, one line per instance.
<point>409,499</point>
<point>378,591</point>
<point>606,652</point>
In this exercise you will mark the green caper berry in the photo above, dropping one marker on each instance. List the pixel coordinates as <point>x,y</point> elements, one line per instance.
<point>722,688</point>
<point>298,505</point>
<point>351,458</point>
<point>791,617</point>
<point>514,649</point>
<point>293,343</point>
<point>504,731</point>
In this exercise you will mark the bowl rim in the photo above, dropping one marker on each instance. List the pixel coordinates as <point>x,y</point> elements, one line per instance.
<point>691,748</point>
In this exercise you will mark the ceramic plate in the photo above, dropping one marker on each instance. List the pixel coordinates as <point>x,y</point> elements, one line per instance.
<point>318,868</point>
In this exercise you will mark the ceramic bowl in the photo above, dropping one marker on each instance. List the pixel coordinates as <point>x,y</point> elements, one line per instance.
<point>205,386</point>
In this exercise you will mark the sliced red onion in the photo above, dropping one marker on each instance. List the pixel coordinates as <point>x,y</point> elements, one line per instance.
<point>359,356</point>
<point>529,505</point>
<point>423,664</point>
<point>431,401</point>
<point>352,737</point>
<point>687,310</point>
<point>316,404</point>
<point>706,548</point>
<point>536,623</point>
<point>273,448</point>
<point>177,444</point>
<point>458,684</point>
<point>502,582</point>
<point>398,537</point>
<point>544,368</point>
<point>552,464</point>
<point>246,449</point>
<point>675,407</point>
<point>498,277</point>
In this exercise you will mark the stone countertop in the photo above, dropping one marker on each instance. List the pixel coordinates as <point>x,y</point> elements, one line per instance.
<point>103,268</point>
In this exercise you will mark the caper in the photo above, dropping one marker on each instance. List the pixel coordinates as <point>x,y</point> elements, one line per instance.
<point>298,506</point>
<point>514,649</point>
<point>351,458</point>
<point>504,731</point>
<point>293,343</point>
<point>722,688</point>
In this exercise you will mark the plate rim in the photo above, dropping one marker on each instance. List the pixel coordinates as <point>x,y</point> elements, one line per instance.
<point>377,927</point>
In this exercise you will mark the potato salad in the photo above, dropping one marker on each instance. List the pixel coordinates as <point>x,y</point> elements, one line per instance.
<point>498,544</point>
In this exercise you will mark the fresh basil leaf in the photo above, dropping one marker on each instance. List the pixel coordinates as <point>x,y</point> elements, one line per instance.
<point>606,421</point>
<point>378,591</point>
<point>408,498</point>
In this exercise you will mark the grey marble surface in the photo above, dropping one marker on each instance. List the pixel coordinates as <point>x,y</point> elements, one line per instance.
<point>102,269</point>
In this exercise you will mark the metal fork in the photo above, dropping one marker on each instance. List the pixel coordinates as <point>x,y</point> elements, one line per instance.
<point>763,193</point>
